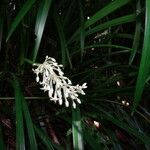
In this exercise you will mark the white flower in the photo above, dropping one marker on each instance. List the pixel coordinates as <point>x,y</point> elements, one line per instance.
<point>59,87</point>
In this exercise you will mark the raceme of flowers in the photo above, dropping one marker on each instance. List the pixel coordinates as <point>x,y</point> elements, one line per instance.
<point>59,87</point>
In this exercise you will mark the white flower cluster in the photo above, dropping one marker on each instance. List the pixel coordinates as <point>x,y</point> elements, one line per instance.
<point>59,87</point>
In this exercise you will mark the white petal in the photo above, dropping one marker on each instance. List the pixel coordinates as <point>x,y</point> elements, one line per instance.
<point>60,101</point>
<point>37,78</point>
<point>46,73</point>
<point>66,103</point>
<point>78,100</point>
<point>74,105</point>
<point>50,92</point>
<point>53,59</point>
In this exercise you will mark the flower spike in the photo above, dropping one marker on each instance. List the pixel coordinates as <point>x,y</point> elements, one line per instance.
<point>59,87</point>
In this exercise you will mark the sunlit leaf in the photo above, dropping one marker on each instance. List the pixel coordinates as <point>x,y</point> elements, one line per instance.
<point>145,63</point>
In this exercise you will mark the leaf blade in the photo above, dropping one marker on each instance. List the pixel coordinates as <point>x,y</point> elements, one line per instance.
<point>114,22</point>
<point>20,139</point>
<point>45,139</point>
<point>105,11</point>
<point>25,8</point>
<point>77,130</point>
<point>63,43</point>
<point>40,24</point>
<point>100,14</point>
<point>145,63</point>
<point>29,124</point>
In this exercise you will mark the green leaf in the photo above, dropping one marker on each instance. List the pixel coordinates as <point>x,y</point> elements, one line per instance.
<point>69,13</point>
<point>91,140</point>
<point>82,29</point>
<point>25,8</point>
<point>105,11</point>
<point>108,46</point>
<point>44,138</point>
<point>114,22</point>
<point>40,24</point>
<point>29,124</point>
<point>100,14</point>
<point>64,48</point>
<point>145,63</point>
<point>137,35</point>
<point>77,130</point>
<point>20,139</point>
<point>131,130</point>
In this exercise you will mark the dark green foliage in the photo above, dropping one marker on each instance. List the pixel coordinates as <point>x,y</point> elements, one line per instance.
<point>104,43</point>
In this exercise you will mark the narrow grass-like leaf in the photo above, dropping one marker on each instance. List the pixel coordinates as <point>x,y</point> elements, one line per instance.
<point>105,11</point>
<point>82,30</point>
<point>91,141</point>
<point>28,61</point>
<point>115,141</point>
<point>131,130</point>
<point>100,14</point>
<point>44,138</point>
<point>141,136</point>
<point>20,139</point>
<point>64,48</point>
<point>29,124</point>
<point>145,63</point>
<point>25,8</point>
<point>137,35</point>
<point>2,145</point>
<point>69,13</point>
<point>124,48</point>
<point>77,130</point>
<point>114,22</point>
<point>108,46</point>
<point>96,70</point>
<point>136,42</point>
<point>40,24</point>
<point>23,47</point>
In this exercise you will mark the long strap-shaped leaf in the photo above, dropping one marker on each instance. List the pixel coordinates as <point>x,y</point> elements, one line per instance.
<point>29,124</point>
<point>114,22</point>
<point>109,46</point>
<point>95,145</point>
<point>64,48</point>
<point>20,140</point>
<point>105,11</point>
<point>22,108</point>
<point>40,24</point>
<point>77,130</point>
<point>131,130</point>
<point>145,60</point>
<point>44,138</point>
<point>124,126</point>
<point>101,13</point>
<point>69,12</point>
<point>137,36</point>
<point>25,8</point>
<point>82,31</point>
